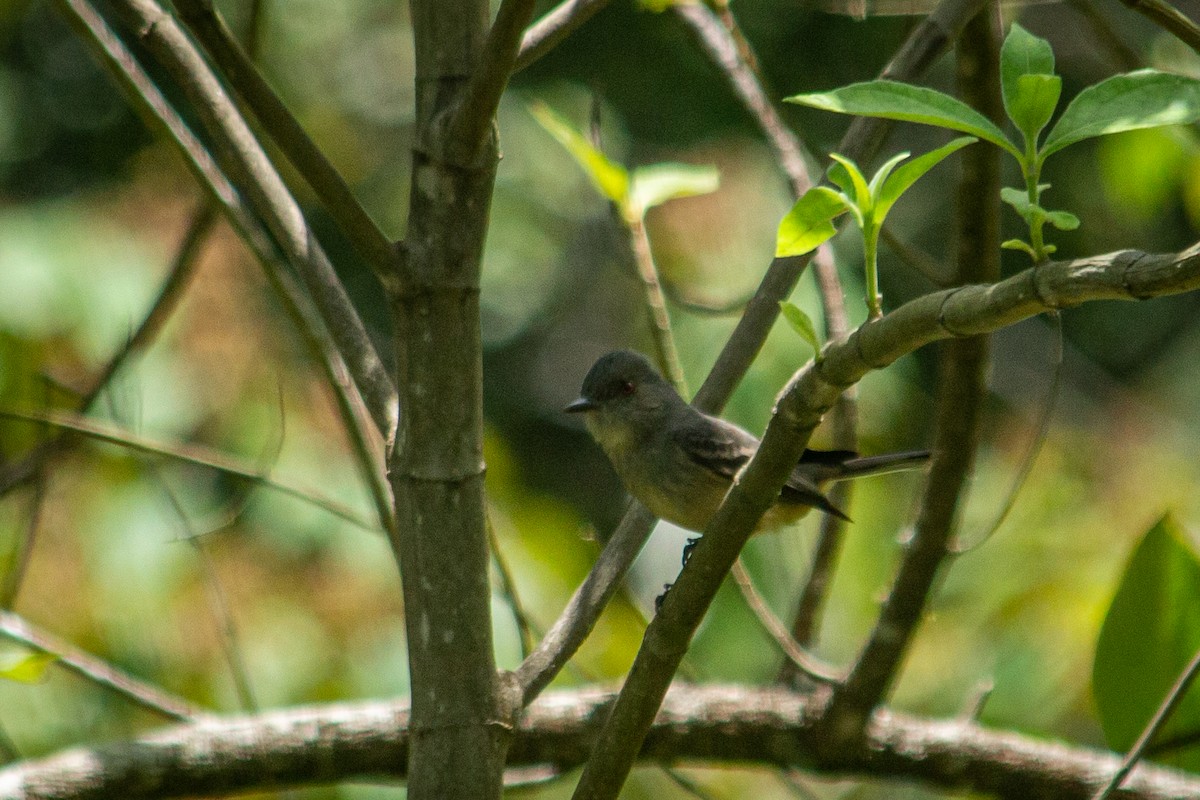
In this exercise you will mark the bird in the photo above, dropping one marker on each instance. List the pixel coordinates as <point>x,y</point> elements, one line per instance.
<point>680,462</point>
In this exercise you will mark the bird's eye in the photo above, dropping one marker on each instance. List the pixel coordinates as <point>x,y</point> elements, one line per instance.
<point>627,388</point>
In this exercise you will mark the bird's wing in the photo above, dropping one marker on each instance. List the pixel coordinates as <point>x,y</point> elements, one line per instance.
<point>719,446</point>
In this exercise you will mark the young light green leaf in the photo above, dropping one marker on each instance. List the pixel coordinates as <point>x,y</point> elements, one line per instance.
<point>839,176</point>
<point>1143,99</point>
<point>1017,244</point>
<point>1033,102</point>
<point>801,323</point>
<point>1018,199</point>
<point>908,174</point>
<point>1022,54</point>
<point>809,223</point>
<point>883,172</point>
<point>1063,220</point>
<point>892,100</point>
<point>609,178</point>
<point>862,192</point>
<point>656,184</point>
<point>28,668</point>
<point>1150,633</point>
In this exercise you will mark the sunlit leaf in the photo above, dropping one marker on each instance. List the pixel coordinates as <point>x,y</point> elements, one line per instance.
<point>1143,99</point>
<point>27,668</point>
<point>884,171</point>
<point>1022,54</point>
<point>1033,103</point>
<point>909,173</point>
<point>1150,633</point>
<point>801,323</point>
<point>892,100</point>
<point>1017,244</point>
<point>1063,220</point>
<point>609,178</point>
<point>858,182</point>
<point>653,185</point>
<point>809,223</point>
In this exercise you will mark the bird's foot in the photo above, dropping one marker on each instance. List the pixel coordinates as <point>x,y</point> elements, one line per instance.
<point>658,601</point>
<point>689,547</point>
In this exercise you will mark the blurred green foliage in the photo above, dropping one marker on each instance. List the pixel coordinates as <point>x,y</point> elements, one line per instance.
<point>91,210</point>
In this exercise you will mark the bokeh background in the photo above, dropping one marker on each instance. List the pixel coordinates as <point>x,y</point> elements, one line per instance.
<point>128,549</point>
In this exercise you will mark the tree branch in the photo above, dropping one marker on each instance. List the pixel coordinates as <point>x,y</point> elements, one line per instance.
<point>959,312</point>
<point>473,116</point>
<point>555,26</point>
<point>242,157</point>
<point>283,127</point>
<point>1170,19</point>
<point>732,724</point>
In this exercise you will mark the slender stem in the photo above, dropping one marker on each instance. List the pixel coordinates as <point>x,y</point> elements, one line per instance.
<point>1161,716</point>
<point>1170,19</point>
<point>870,236</point>
<point>665,350</point>
<point>556,25</point>
<point>16,629</point>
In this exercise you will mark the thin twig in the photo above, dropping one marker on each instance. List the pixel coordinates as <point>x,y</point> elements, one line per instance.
<point>1170,19</point>
<point>805,662</point>
<point>556,25</point>
<point>15,628</point>
<point>189,454</point>
<point>508,586</point>
<point>1165,710</point>
<point>219,607</point>
<point>660,321</point>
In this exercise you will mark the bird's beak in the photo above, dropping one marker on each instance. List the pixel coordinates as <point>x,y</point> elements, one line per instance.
<point>582,404</point>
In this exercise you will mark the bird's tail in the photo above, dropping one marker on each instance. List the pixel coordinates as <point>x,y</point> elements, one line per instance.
<point>879,465</point>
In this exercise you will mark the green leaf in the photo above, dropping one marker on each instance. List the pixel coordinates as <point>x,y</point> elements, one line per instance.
<point>910,173</point>
<point>862,192</point>
<point>1033,103</point>
<point>609,178</point>
<point>1019,200</point>
<point>1143,99</point>
<point>1150,633</point>
<point>809,223</point>
<point>1017,244</point>
<point>1063,220</point>
<point>839,176</point>
<point>801,324</point>
<point>1022,54</point>
<point>883,172</point>
<point>28,668</point>
<point>654,185</point>
<point>892,100</point>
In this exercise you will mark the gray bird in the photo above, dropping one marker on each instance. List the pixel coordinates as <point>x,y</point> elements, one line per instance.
<point>680,462</point>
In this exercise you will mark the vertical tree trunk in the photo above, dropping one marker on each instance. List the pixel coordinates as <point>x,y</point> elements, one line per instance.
<point>461,714</point>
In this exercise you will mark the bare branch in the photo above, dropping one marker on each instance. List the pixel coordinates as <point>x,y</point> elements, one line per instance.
<point>283,127</point>
<point>1170,19</point>
<point>551,29</point>
<point>16,629</point>
<point>473,116</point>
<point>242,158</point>
<point>735,724</point>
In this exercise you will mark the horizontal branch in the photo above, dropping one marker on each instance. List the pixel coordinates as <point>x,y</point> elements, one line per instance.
<point>714,724</point>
